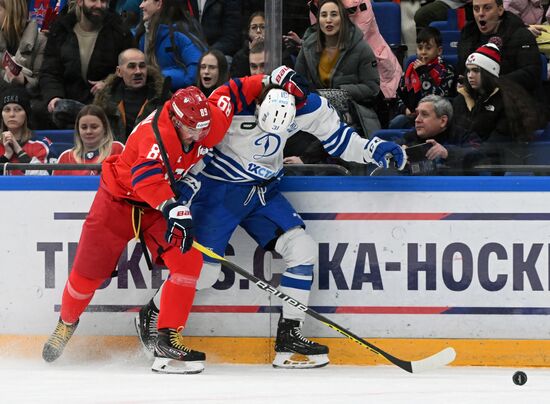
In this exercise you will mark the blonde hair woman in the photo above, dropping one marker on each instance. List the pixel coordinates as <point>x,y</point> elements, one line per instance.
<point>21,38</point>
<point>93,141</point>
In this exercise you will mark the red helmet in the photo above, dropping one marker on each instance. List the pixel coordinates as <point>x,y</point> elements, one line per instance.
<point>190,109</point>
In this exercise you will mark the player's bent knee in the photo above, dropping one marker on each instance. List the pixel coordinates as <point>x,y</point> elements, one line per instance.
<point>81,287</point>
<point>209,275</point>
<point>297,247</point>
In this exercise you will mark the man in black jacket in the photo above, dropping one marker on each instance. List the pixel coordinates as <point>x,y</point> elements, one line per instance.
<point>130,94</point>
<point>437,141</point>
<point>520,61</point>
<point>220,21</point>
<point>82,50</point>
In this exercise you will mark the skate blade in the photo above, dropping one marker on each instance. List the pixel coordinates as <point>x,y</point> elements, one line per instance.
<point>147,350</point>
<point>291,360</point>
<point>173,366</point>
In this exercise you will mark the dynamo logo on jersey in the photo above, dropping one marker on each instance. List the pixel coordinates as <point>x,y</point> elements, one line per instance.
<point>270,143</point>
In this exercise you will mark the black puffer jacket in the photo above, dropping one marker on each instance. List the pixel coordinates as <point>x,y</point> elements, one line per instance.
<point>520,60</point>
<point>221,24</point>
<point>60,73</point>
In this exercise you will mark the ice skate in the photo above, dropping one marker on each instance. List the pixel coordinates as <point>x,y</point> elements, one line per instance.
<point>294,351</point>
<point>172,356</point>
<point>146,326</point>
<point>54,346</point>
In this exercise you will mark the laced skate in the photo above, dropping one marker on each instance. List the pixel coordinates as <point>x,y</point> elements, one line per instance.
<point>294,351</point>
<point>172,356</point>
<point>54,346</point>
<point>146,326</point>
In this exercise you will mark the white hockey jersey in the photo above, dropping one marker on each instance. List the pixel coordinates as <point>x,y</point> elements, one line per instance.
<point>248,155</point>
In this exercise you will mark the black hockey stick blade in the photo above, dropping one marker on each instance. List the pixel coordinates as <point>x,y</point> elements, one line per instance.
<point>435,361</point>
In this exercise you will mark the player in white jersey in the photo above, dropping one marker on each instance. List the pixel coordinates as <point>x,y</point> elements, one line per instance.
<point>239,185</point>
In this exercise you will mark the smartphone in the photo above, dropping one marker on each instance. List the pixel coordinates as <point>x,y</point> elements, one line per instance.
<point>418,152</point>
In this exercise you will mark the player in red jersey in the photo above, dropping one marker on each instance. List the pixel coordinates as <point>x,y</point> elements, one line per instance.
<point>135,197</point>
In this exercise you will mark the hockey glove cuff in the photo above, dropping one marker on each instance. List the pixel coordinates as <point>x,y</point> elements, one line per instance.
<point>382,153</point>
<point>180,226</point>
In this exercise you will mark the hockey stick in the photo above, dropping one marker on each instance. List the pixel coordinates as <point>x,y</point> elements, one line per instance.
<point>437,360</point>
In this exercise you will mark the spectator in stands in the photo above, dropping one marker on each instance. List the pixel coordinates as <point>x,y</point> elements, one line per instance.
<point>213,71</point>
<point>530,11</point>
<point>335,56</point>
<point>167,38</point>
<point>256,58</point>
<point>93,141</point>
<point>449,145</point>
<point>520,61</point>
<point>428,74</point>
<point>436,11</point>
<point>220,21</point>
<point>21,38</point>
<point>82,50</point>
<point>389,67</point>
<point>129,11</point>
<point>256,31</point>
<point>499,111</point>
<point>16,145</point>
<point>130,94</point>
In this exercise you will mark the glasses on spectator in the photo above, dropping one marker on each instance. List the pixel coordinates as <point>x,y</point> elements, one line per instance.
<point>257,27</point>
<point>353,10</point>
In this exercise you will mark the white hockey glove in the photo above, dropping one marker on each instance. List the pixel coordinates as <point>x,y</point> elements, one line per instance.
<point>382,152</point>
<point>187,187</point>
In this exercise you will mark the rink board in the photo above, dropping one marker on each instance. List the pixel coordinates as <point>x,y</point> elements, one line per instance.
<point>410,258</point>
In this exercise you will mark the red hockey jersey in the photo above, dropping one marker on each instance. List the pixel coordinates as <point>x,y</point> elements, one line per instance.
<point>139,173</point>
<point>33,148</point>
<point>67,157</point>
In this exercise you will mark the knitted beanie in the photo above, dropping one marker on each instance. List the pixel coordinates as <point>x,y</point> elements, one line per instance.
<point>487,57</point>
<point>16,95</point>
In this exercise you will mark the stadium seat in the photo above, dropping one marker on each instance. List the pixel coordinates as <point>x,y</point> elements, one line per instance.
<point>451,24</point>
<point>449,41</point>
<point>55,135</point>
<point>388,17</point>
<point>56,148</point>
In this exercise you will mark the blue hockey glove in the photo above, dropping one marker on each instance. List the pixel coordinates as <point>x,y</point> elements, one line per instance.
<point>180,226</point>
<point>292,83</point>
<point>187,188</point>
<point>382,153</point>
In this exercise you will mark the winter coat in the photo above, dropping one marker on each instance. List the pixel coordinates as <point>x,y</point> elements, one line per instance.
<point>111,99</point>
<point>355,71</point>
<point>221,24</point>
<point>485,117</point>
<point>487,120</point>
<point>530,11</point>
<point>60,73</point>
<point>520,60</point>
<point>177,58</point>
<point>389,68</point>
<point>29,55</point>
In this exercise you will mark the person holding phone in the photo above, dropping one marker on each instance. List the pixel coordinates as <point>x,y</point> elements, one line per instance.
<point>442,143</point>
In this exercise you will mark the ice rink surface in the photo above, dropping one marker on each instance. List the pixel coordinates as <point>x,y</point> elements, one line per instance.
<point>129,380</point>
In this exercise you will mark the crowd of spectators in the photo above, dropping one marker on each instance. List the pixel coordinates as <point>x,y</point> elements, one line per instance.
<point>118,61</point>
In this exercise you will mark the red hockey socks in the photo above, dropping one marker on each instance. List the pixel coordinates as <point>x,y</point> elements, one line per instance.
<point>178,291</point>
<point>77,295</point>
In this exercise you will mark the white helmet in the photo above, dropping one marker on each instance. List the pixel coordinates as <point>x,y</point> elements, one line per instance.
<point>277,111</point>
